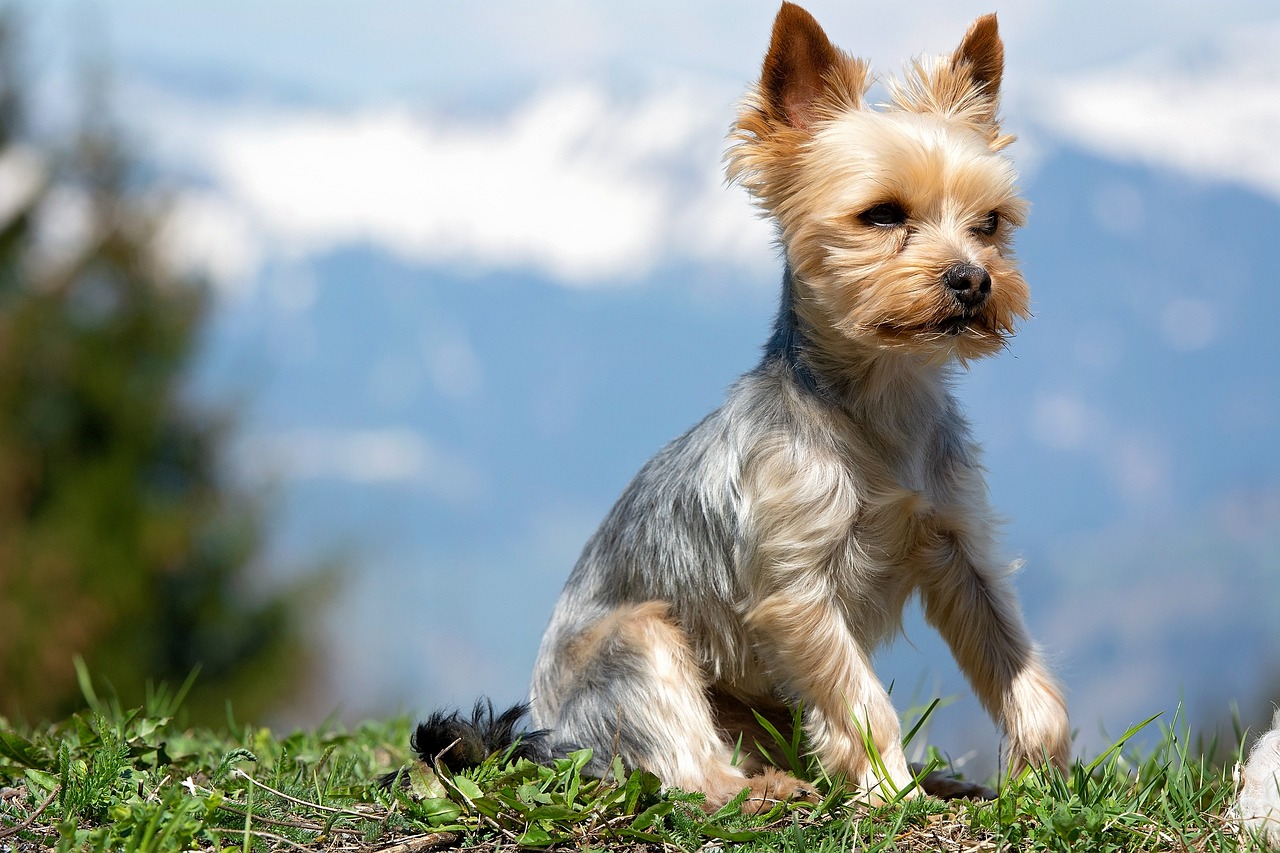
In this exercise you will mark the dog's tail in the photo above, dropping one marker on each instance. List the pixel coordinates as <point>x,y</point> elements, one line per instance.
<point>460,743</point>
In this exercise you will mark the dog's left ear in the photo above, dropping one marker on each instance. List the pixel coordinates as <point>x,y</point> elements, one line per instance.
<point>981,55</point>
<point>963,87</point>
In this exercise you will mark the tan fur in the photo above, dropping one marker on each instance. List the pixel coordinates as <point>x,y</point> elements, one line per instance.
<point>758,561</point>
<point>679,701</point>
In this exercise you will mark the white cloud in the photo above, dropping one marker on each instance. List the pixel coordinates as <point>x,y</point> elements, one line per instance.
<point>1214,114</point>
<point>371,457</point>
<point>580,187</point>
<point>1189,324</point>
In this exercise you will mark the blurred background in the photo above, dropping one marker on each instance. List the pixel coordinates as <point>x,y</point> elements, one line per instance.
<point>330,331</point>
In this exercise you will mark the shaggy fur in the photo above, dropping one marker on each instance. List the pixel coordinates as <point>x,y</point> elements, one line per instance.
<point>1257,804</point>
<point>755,563</point>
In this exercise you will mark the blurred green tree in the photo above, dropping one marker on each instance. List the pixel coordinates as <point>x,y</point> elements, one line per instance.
<point>120,539</point>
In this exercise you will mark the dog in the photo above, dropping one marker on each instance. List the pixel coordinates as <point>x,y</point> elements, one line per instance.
<point>755,563</point>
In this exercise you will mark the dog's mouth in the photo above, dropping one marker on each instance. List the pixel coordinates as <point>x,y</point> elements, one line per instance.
<point>946,327</point>
<point>957,325</point>
<point>963,335</point>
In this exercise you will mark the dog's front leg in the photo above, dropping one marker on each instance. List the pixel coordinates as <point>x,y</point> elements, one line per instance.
<point>808,645</point>
<point>799,506</point>
<point>969,598</point>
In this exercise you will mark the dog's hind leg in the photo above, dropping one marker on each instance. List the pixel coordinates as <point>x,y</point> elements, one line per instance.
<point>629,685</point>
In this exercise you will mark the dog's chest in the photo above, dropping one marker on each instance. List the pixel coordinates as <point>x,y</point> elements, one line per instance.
<point>904,503</point>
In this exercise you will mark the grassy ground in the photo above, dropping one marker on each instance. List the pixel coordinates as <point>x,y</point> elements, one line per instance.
<point>135,780</point>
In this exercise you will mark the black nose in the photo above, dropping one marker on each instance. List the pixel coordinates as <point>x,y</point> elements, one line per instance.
<point>969,282</point>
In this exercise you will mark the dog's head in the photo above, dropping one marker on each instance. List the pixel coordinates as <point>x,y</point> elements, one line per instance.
<point>897,221</point>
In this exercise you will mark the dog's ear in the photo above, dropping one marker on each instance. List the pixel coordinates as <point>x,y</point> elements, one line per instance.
<point>805,81</point>
<point>963,87</point>
<point>800,69</point>
<point>981,56</point>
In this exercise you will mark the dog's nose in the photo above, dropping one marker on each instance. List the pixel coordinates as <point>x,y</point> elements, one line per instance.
<point>969,282</point>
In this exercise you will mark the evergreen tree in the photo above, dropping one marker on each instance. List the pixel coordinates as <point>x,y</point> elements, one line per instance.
<point>120,540</point>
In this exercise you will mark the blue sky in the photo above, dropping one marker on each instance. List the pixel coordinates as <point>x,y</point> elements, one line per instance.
<point>569,152</point>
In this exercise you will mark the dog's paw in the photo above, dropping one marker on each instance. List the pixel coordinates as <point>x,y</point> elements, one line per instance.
<point>773,786</point>
<point>764,791</point>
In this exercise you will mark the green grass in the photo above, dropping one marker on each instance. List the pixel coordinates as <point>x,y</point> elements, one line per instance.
<point>137,780</point>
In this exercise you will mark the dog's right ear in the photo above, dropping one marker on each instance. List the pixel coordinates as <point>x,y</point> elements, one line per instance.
<point>803,71</point>
<point>805,81</point>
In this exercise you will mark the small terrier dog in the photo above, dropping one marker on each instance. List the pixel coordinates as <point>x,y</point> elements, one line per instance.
<point>755,563</point>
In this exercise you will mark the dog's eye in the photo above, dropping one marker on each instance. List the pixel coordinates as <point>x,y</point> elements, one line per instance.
<point>989,223</point>
<point>887,215</point>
